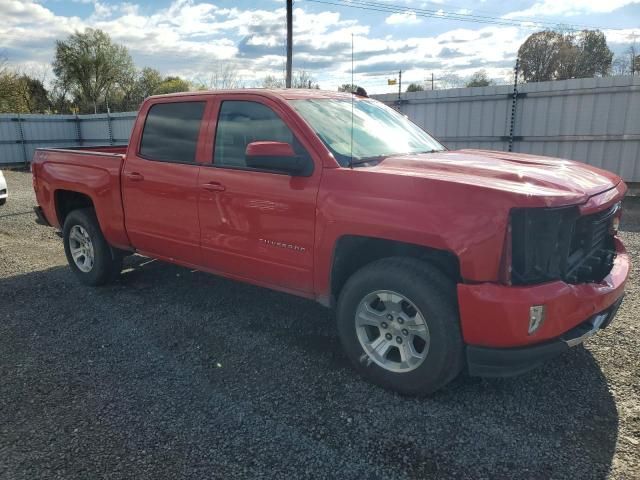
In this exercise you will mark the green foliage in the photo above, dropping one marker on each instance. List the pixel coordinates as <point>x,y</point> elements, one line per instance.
<point>172,85</point>
<point>92,67</point>
<point>148,82</point>
<point>20,93</point>
<point>8,80</point>
<point>415,87</point>
<point>32,96</point>
<point>348,87</point>
<point>551,55</point>
<point>479,79</point>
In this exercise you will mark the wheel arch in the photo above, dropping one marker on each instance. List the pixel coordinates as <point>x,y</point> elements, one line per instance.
<point>352,252</point>
<point>67,201</point>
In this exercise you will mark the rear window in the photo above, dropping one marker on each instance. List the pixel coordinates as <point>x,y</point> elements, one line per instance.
<point>171,132</point>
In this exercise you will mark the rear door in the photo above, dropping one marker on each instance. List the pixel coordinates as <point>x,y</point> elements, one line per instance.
<point>257,225</point>
<point>160,181</point>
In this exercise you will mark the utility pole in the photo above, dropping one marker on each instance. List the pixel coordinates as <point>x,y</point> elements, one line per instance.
<point>399,84</point>
<point>289,42</point>
<point>431,80</point>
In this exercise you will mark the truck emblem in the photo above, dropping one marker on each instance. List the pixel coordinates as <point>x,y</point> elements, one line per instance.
<point>288,246</point>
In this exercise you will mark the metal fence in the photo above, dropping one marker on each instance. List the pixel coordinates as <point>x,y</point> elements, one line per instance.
<point>593,120</point>
<point>20,135</point>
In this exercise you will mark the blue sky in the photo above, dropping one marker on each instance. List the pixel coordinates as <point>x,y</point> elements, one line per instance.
<point>195,38</point>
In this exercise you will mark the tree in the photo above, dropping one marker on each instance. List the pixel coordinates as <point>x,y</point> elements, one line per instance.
<point>172,85</point>
<point>628,63</point>
<point>271,81</point>
<point>479,79</point>
<point>303,79</point>
<point>633,58</point>
<point>551,55</point>
<point>593,57</point>
<point>91,65</point>
<point>450,80</point>
<point>415,87</point>
<point>59,98</point>
<point>132,92</point>
<point>224,76</point>
<point>31,94</point>
<point>347,87</point>
<point>148,82</point>
<point>539,56</point>
<point>8,80</point>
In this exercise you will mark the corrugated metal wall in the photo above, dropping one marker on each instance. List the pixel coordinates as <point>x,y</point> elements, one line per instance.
<point>20,135</point>
<point>594,120</point>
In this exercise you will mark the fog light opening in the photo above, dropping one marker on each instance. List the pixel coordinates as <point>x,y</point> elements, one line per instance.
<point>536,318</point>
<point>615,226</point>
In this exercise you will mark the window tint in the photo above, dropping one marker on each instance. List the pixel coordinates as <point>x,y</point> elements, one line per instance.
<point>171,132</point>
<point>242,122</point>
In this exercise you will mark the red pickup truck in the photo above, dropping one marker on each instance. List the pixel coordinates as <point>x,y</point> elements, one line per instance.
<point>433,260</point>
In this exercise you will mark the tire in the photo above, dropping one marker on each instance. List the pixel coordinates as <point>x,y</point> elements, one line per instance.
<point>106,264</point>
<point>426,291</point>
<point>3,201</point>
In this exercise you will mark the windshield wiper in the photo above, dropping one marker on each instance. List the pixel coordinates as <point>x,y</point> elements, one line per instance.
<point>378,158</point>
<point>360,161</point>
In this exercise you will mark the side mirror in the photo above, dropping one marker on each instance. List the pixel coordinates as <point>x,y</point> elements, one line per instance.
<point>277,157</point>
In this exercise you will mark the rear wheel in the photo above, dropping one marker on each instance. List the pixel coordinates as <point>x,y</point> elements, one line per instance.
<point>3,201</point>
<point>88,253</point>
<point>398,323</point>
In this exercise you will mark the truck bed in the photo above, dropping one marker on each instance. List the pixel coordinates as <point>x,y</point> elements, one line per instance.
<point>90,171</point>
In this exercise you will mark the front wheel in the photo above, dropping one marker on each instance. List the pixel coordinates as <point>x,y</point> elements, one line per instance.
<point>88,253</point>
<point>398,322</point>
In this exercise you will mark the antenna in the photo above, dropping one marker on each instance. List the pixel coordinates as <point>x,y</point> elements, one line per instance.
<point>352,95</point>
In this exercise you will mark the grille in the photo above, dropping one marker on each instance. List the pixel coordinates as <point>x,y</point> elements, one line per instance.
<point>559,244</point>
<point>592,251</point>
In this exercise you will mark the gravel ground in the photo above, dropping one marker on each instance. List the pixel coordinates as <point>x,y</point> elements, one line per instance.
<point>171,373</point>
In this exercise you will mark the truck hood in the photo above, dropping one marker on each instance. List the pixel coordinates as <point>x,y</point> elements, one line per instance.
<point>556,179</point>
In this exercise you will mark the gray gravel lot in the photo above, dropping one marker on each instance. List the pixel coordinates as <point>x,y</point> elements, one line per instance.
<point>177,374</point>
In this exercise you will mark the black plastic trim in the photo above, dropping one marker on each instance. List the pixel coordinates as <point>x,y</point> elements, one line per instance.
<point>508,362</point>
<point>40,218</point>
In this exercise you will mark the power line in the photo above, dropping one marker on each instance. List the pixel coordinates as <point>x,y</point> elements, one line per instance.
<point>441,15</point>
<point>445,15</point>
<point>461,16</point>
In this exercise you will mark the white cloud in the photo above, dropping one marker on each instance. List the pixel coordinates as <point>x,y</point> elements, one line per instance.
<point>570,7</point>
<point>191,39</point>
<point>408,18</point>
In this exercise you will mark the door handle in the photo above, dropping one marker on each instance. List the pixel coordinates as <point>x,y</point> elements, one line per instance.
<point>135,176</point>
<point>214,187</point>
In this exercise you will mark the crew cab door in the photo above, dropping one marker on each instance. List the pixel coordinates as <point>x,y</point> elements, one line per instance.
<point>160,180</point>
<point>257,224</point>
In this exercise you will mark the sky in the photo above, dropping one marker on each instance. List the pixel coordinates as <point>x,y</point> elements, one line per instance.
<point>193,38</point>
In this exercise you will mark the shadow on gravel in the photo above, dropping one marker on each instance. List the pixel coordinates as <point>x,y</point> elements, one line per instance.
<point>630,215</point>
<point>170,373</point>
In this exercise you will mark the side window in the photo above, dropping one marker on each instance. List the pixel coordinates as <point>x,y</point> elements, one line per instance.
<point>171,132</point>
<point>243,122</point>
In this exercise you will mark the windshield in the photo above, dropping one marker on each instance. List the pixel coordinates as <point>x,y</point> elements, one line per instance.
<point>378,131</point>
